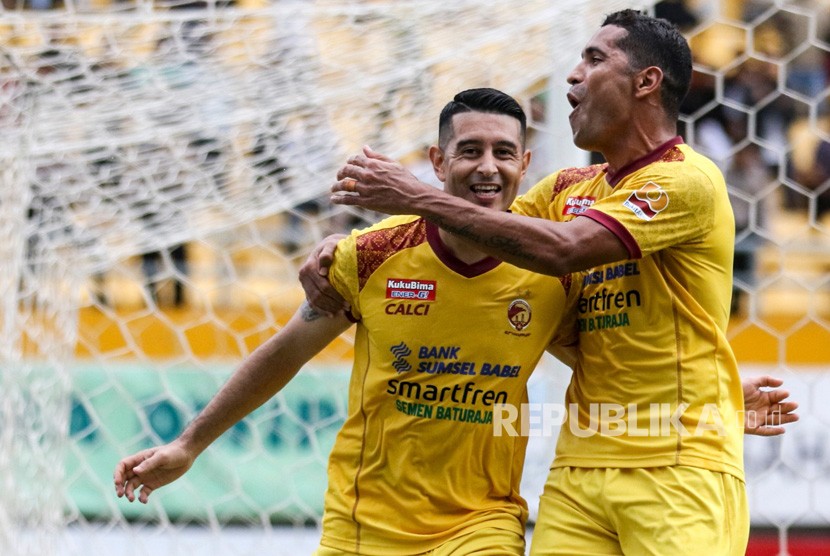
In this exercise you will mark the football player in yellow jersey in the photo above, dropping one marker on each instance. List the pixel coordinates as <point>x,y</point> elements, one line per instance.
<point>649,460</point>
<point>444,334</point>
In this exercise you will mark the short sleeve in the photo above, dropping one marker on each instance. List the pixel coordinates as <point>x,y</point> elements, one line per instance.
<point>566,332</point>
<point>653,211</point>
<point>536,202</point>
<point>343,273</point>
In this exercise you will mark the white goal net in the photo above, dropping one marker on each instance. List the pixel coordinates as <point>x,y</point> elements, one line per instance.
<point>164,168</point>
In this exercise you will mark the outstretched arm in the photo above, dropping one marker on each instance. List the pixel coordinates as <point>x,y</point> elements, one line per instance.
<point>766,410</point>
<point>373,181</point>
<point>264,373</point>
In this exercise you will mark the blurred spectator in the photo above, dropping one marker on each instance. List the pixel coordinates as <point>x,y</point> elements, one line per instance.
<point>746,176</point>
<point>728,127</point>
<point>153,264</point>
<point>752,85</point>
<point>421,167</point>
<point>540,140</point>
<point>677,12</point>
<point>821,175</point>
<point>718,135</point>
<point>809,164</point>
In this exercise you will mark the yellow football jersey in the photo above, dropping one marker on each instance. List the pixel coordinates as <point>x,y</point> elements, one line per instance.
<point>439,344</point>
<point>656,382</point>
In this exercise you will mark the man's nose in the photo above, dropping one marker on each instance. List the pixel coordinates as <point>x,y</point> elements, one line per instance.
<point>487,165</point>
<point>575,75</point>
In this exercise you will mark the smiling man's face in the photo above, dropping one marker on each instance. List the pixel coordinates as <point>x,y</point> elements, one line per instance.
<point>484,161</point>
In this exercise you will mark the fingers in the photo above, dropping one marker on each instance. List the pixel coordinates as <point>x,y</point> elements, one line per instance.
<point>325,253</point>
<point>145,494</point>
<point>774,428</point>
<point>781,412</point>
<point>346,186</point>
<point>322,297</point>
<point>787,418</point>
<point>766,431</point>
<point>352,168</point>
<point>788,408</point>
<point>349,185</point>
<point>771,423</point>
<point>355,165</point>
<point>756,428</point>
<point>119,478</point>
<point>777,396</point>
<point>370,153</point>
<point>128,474</point>
<point>325,258</point>
<point>124,471</point>
<point>137,484</point>
<point>357,160</point>
<point>345,192</point>
<point>131,486</point>
<point>767,381</point>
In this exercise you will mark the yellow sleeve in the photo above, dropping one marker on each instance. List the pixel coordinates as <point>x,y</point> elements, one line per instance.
<point>566,333</point>
<point>343,272</point>
<point>660,210</point>
<point>536,202</point>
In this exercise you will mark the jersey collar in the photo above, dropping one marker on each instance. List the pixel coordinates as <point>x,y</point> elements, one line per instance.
<point>615,176</point>
<point>452,262</point>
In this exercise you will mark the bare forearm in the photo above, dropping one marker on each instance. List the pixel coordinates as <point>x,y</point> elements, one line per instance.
<point>555,248</point>
<point>496,235</point>
<point>251,385</point>
<point>532,243</point>
<point>264,373</point>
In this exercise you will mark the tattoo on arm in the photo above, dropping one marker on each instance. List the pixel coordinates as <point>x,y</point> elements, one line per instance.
<point>504,244</point>
<point>511,246</point>
<point>308,313</point>
<point>461,231</point>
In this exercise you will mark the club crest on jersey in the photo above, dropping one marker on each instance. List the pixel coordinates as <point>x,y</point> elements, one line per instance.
<point>419,290</point>
<point>518,314</point>
<point>577,205</point>
<point>648,201</point>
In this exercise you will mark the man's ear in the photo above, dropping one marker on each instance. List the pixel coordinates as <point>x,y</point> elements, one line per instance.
<point>648,81</point>
<point>436,156</point>
<point>526,156</point>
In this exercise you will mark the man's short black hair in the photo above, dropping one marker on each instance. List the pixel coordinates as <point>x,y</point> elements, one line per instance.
<point>479,100</point>
<point>656,42</point>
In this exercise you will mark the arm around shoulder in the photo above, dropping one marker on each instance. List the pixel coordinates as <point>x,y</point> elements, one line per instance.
<point>536,244</point>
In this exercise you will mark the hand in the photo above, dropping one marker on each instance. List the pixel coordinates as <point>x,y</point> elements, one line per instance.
<point>321,295</point>
<point>378,183</point>
<point>766,410</point>
<point>150,469</point>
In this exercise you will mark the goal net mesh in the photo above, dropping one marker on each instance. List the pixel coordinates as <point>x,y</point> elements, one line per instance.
<point>165,169</point>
